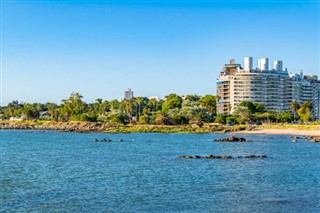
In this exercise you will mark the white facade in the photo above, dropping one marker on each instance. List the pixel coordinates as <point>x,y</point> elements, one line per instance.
<point>307,88</point>
<point>278,65</point>
<point>274,88</point>
<point>248,63</point>
<point>263,64</point>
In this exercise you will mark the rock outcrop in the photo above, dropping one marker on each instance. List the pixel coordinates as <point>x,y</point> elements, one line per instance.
<point>232,139</point>
<point>220,156</point>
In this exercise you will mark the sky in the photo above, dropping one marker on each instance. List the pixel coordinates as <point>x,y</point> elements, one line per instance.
<point>50,49</point>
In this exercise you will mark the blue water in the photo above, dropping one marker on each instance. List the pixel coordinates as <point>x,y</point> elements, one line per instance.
<point>46,171</point>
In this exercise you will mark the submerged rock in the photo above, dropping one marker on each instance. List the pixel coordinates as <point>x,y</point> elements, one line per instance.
<point>220,156</point>
<point>315,139</point>
<point>233,139</point>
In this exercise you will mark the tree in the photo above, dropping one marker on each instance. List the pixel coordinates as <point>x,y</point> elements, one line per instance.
<point>104,107</point>
<point>114,105</point>
<point>305,111</point>
<point>139,101</point>
<point>27,111</point>
<point>144,119</point>
<point>51,107</point>
<point>244,113</point>
<point>221,119</point>
<point>172,101</point>
<point>294,107</point>
<point>249,105</point>
<point>284,117</point>
<point>209,102</point>
<point>153,101</point>
<point>118,118</point>
<point>178,119</point>
<point>73,107</point>
<point>193,97</point>
<point>259,108</point>
<point>161,118</point>
<point>128,106</point>
<point>194,112</point>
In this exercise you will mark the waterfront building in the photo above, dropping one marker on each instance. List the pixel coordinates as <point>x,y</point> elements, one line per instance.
<point>306,88</point>
<point>272,87</point>
<point>128,95</point>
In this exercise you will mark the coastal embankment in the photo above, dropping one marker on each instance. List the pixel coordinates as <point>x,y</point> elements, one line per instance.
<point>80,126</point>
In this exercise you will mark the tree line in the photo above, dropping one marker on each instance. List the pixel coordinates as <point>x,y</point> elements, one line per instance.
<point>173,110</point>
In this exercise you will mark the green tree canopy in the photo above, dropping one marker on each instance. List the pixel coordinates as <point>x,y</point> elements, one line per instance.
<point>249,105</point>
<point>172,101</point>
<point>305,111</point>
<point>192,97</point>
<point>209,102</point>
<point>294,107</point>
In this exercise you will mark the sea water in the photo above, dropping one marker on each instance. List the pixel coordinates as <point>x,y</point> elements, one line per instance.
<point>47,171</point>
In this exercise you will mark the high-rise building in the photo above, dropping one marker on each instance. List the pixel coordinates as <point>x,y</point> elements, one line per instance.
<point>223,86</point>
<point>273,88</point>
<point>248,63</point>
<point>128,95</point>
<point>263,64</point>
<point>277,65</point>
<point>306,88</point>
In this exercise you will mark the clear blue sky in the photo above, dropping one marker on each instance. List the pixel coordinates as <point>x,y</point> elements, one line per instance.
<point>52,48</point>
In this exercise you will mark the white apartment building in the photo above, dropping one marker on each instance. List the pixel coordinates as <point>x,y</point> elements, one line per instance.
<point>306,88</point>
<point>274,88</point>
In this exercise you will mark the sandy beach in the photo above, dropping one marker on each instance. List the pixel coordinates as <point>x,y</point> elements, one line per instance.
<point>283,132</point>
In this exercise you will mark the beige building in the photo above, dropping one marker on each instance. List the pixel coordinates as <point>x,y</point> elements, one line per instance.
<point>274,88</point>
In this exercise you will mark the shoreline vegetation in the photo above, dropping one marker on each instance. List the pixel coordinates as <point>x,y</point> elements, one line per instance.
<point>83,127</point>
<point>174,114</point>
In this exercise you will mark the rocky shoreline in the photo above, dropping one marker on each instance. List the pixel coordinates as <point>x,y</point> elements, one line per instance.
<point>83,127</point>
<point>57,126</point>
<point>86,127</point>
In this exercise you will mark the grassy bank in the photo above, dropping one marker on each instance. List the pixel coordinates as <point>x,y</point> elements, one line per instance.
<point>80,126</point>
<point>173,129</point>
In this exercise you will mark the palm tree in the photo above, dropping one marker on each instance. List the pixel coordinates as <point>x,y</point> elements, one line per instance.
<point>153,101</point>
<point>139,101</point>
<point>294,106</point>
<point>128,107</point>
<point>51,109</point>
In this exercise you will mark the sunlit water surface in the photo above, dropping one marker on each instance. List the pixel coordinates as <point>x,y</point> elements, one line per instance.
<point>47,171</point>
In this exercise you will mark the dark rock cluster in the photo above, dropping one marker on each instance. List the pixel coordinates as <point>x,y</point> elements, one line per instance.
<point>312,139</point>
<point>220,156</point>
<point>232,139</point>
<point>105,140</point>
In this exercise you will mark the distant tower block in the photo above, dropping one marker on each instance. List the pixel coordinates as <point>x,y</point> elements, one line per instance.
<point>263,64</point>
<point>248,63</point>
<point>128,95</point>
<point>277,65</point>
